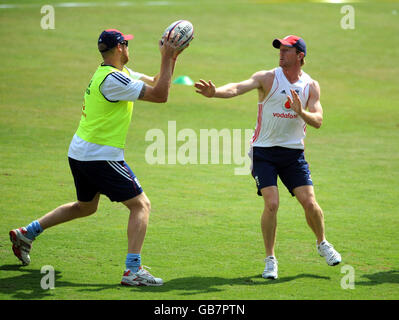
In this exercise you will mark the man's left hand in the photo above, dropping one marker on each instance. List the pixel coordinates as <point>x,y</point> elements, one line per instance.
<point>295,102</point>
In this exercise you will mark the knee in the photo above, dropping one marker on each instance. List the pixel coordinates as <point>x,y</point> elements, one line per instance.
<point>143,204</point>
<point>146,205</point>
<point>86,210</point>
<point>311,206</point>
<point>271,207</point>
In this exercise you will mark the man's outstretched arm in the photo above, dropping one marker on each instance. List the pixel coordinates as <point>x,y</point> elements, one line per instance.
<point>229,90</point>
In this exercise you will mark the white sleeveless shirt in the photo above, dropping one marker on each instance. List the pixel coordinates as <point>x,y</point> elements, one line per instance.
<point>278,124</point>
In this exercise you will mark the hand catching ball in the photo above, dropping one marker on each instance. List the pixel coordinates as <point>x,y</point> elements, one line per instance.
<point>182,29</point>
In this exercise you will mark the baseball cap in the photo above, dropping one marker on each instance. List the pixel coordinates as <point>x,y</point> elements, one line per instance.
<point>291,41</point>
<point>110,38</point>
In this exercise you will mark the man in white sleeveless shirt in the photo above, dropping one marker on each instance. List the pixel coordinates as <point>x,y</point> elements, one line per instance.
<point>289,100</point>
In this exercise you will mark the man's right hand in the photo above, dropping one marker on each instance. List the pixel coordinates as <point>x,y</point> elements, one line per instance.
<point>169,50</point>
<point>169,47</point>
<point>207,89</point>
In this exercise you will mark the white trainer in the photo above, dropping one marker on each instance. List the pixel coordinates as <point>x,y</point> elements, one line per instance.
<point>21,245</point>
<point>140,278</point>
<point>271,268</point>
<point>326,250</point>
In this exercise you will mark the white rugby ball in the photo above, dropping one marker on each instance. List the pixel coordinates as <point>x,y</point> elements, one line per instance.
<point>182,29</point>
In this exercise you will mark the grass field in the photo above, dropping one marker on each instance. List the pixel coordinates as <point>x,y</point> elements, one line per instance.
<point>204,235</point>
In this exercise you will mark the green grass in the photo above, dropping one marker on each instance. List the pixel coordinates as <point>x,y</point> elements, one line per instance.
<point>204,235</point>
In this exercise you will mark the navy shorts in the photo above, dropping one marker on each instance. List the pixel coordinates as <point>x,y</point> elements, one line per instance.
<point>289,164</point>
<point>112,178</point>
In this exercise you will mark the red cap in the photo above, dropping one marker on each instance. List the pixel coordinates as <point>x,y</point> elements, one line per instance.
<point>110,38</point>
<point>291,41</point>
<point>125,36</point>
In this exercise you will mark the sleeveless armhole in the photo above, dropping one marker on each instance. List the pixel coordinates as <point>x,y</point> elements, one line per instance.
<point>306,92</point>
<point>273,88</point>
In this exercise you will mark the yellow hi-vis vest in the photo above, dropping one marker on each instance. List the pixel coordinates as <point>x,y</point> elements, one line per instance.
<point>104,122</point>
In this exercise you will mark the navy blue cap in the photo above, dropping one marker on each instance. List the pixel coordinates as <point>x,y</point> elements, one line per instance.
<point>110,38</point>
<point>291,41</point>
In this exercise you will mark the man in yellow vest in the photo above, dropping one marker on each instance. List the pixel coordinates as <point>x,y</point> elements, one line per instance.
<point>96,153</point>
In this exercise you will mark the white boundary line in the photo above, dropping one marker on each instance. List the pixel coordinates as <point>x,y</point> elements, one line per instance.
<point>91,4</point>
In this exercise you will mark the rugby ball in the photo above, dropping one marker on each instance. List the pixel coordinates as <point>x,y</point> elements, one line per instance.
<point>182,29</point>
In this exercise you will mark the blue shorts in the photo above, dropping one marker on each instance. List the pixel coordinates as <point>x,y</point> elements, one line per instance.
<point>113,178</point>
<point>289,164</point>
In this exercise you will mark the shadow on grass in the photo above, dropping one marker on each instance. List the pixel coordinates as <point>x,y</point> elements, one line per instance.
<point>26,285</point>
<point>197,285</point>
<point>391,276</point>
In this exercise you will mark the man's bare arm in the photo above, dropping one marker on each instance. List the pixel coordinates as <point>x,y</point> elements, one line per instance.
<point>208,89</point>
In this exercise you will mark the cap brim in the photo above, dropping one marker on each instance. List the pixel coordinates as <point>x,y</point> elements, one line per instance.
<point>278,42</point>
<point>128,36</point>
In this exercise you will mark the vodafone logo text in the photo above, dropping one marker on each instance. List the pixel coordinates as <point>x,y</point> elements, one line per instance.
<point>285,115</point>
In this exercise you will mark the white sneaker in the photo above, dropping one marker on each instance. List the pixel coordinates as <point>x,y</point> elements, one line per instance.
<point>326,250</point>
<point>271,268</point>
<point>140,278</point>
<point>21,245</point>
